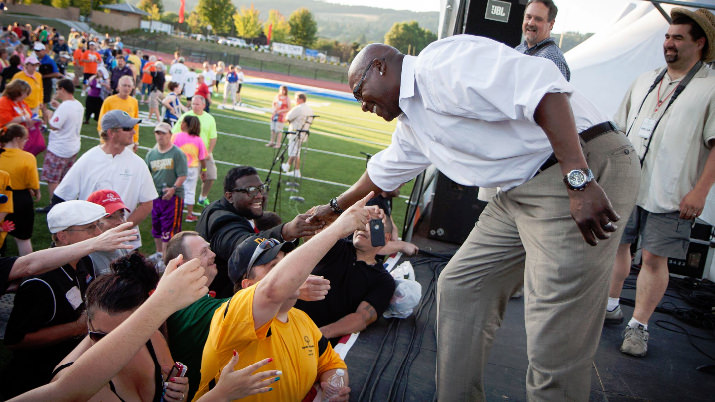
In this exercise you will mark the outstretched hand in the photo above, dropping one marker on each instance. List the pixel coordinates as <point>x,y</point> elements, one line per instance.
<point>357,216</point>
<point>593,213</point>
<point>299,227</point>
<point>115,238</point>
<point>182,283</point>
<point>241,383</point>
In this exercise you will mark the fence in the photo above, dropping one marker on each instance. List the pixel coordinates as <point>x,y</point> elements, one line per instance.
<point>258,62</point>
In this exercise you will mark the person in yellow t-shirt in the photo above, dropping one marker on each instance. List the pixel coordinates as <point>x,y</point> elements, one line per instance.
<point>34,78</point>
<point>260,322</point>
<point>6,207</point>
<point>122,101</point>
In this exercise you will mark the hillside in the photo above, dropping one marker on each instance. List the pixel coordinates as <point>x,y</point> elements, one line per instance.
<point>335,21</point>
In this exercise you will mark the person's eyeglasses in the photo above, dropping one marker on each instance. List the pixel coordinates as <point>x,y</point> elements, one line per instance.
<point>265,245</point>
<point>357,92</point>
<point>252,191</point>
<point>96,335</point>
<point>90,227</point>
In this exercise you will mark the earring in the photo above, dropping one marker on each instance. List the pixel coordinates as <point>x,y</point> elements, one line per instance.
<point>380,72</point>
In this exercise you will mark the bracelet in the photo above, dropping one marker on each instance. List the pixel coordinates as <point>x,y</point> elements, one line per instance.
<point>203,169</point>
<point>334,206</point>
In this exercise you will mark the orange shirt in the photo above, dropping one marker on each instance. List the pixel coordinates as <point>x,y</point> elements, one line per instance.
<point>77,56</point>
<point>10,109</point>
<point>90,63</point>
<point>149,68</point>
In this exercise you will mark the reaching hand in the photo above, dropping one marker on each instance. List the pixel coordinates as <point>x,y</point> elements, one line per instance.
<point>115,238</point>
<point>182,283</point>
<point>299,227</point>
<point>322,214</point>
<point>314,288</point>
<point>357,216</point>
<point>241,383</point>
<point>593,213</point>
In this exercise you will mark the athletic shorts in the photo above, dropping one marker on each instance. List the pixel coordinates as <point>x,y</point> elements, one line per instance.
<point>211,173</point>
<point>665,235</point>
<point>166,216</point>
<point>277,125</point>
<point>54,167</point>
<point>23,215</point>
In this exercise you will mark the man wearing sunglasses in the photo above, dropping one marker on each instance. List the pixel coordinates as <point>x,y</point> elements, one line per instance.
<point>486,115</point>
<point>227,222</point>
<point>112,166</point>
<point>48,318</point>
<point>259,321</point>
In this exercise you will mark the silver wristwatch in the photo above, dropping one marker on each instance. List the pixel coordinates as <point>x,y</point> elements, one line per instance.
<point>578,179</point>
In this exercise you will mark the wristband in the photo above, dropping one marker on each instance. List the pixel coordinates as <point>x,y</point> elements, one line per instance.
<point>203,169</point>
<point>334,206</point>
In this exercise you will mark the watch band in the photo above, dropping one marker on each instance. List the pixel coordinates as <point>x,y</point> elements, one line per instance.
<point>589,178</point>
<point>334,206</point>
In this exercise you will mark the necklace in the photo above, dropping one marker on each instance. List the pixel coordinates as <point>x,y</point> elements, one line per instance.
<point>660,102</point>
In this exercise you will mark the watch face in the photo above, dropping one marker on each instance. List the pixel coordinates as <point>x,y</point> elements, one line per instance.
<point>576,178</point>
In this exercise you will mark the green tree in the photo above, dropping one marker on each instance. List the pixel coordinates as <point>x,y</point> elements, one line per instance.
<point>196,24</point>
<point>216,13</point>
<point>409,37</point>
<point>303,28</point>
<point>148,6</point>
<point>61,3</point>
<point>281,29</point>
<point>85,6</point>
<point>248,22</point>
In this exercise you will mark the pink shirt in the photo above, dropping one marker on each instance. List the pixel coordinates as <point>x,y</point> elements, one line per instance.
<point>192,146</point>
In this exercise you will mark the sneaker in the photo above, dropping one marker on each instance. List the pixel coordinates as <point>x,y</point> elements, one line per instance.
<point>635,341</point>
<point>204,203</point>
<point>191,218</point>
<point>615,316</point>
<point>295,173</point>
<point>285,167</point>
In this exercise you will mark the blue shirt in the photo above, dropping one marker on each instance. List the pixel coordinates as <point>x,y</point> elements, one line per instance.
<point>547,49</point>
<point>46,59</point>
<point>232,77</point>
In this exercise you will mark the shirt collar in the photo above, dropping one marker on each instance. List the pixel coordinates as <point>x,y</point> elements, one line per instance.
<point>407,78</point>
<point>549,39</point>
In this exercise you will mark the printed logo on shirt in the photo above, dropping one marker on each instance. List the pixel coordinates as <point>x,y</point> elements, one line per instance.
<point>56,119</point>
<point>162,164</point>
<point>309,346</point>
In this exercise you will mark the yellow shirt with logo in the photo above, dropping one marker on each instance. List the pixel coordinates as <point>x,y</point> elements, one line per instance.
<point>297,347</point>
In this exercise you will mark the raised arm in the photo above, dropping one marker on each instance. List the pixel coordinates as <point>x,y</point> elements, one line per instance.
<point>177,288</point>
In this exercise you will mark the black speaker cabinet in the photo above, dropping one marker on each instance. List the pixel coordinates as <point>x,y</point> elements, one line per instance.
<point>496,19</point>
<point>699,254</point>
<point>455,210</point>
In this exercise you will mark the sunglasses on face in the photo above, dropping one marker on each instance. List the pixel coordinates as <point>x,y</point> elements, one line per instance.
<point>265,245</point>
<point>357,92</point>
<point>95,336</point>
<point>252,191</point>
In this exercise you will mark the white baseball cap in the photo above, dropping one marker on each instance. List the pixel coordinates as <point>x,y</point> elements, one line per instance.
<point>73,213</point>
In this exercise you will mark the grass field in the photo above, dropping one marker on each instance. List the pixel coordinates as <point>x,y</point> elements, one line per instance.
<point>331,157</point>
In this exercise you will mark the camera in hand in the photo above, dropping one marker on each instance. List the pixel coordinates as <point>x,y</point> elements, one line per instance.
<point>377,232</point>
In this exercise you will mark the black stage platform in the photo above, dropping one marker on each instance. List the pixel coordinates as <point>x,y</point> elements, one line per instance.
<point>394,360</point>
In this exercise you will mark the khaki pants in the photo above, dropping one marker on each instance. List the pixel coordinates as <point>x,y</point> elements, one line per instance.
<point>527,235</point>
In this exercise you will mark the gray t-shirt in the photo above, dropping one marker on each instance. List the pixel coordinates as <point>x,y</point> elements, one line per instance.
<point>166,167</point>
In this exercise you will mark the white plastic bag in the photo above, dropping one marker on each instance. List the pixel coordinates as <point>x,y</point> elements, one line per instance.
<point>406,297</point>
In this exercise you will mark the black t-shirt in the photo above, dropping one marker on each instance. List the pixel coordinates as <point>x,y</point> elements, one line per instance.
<point>351,282</point>
<point>6,264</point>
<point>43,301</point>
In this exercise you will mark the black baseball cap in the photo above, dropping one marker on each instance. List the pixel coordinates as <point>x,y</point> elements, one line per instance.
<point>254,251</point>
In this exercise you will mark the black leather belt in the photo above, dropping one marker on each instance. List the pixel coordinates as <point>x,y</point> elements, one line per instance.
<point>586,135</point>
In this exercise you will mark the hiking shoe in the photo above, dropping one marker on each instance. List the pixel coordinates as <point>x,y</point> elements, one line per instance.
<point>615,316</point>
<point>191,218</point>
<point>635,341</point>
<point>204,203</point>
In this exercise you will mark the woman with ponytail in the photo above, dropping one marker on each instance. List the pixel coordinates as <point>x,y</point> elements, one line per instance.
<point>24,181</point>
<point>110,300</point>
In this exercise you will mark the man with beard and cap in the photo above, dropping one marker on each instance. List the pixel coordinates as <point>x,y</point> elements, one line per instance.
<point>669,116</point>
<point>227,222</point>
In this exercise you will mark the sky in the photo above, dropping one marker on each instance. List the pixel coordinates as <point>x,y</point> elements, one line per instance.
<point>574,15</point>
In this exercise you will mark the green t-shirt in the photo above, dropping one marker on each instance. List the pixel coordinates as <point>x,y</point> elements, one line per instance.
<point>208,127</point>
<point>188,330</point>
<point>166,167</point>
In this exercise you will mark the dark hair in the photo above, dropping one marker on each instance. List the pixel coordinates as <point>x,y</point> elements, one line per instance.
<point>193,125</point>
<point>172,85</point>
<point>696,31</point>
<point>301,96</point>
<point>175,246</point>
<point>267,221</point>
<point>236,173</point>
<point>16,88</point>
<point>126,288</point>
<point>15,60</point>
<point>12,131</point>
<point>66,84</point>
<point>553,10</point>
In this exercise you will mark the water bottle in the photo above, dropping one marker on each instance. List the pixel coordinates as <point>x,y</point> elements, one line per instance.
<point>335,382</point>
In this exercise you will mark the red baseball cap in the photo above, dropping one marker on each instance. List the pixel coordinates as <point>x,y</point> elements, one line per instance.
<point>109,199</point>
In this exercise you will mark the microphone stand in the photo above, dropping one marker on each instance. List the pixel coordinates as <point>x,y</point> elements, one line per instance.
<point>280,155</point>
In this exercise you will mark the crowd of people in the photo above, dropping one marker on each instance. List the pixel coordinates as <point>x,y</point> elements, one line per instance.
<point>93,318</point>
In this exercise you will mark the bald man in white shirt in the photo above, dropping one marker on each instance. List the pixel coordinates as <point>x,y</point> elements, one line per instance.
<point>486,115</point>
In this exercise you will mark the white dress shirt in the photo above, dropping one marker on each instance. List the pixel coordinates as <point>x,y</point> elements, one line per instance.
<point>468,107</point>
